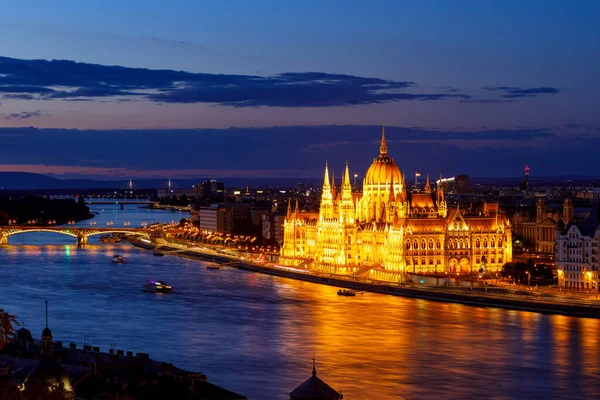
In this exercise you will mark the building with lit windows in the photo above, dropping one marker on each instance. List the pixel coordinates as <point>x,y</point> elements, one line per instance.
<point>577,259</point>
<point>386,232</point>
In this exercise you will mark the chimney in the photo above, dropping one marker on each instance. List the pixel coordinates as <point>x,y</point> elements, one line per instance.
<point>58,344</point>
<point>72,345</point>
<point>87,347</point>
<point>96,349</point>
<point>129,354</point>
<point>111,351</point>
<point>120,352</point>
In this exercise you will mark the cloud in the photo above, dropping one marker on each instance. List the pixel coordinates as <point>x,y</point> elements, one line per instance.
<point>297,150</point>
<point>25,115</point>
<point>575,126</point>
<point>487,101</point>
<point>512,92</point>
<point>68,80</point>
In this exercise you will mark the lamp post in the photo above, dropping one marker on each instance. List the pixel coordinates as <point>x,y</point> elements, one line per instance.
<point>528,278</point>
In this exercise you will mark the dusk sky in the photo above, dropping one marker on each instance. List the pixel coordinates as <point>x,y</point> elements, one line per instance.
<point>274,88</point>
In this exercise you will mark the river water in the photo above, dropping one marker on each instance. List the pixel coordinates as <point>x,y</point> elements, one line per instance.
<point>256,334</point>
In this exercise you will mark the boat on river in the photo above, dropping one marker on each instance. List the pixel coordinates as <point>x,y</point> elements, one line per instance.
<point>156,287</point>
<point>346,292</point>
<point>118,259</point>
<point>158,254</point>
<point>213,266</point>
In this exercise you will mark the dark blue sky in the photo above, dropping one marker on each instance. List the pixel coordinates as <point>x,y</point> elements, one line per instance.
<point>481,87</point>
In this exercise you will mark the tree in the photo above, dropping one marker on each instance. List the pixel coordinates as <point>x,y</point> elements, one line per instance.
<point>7,327</point>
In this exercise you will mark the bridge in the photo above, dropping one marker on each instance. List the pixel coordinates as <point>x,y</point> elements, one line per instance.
<point>82,234</point>
<point>121,202</point>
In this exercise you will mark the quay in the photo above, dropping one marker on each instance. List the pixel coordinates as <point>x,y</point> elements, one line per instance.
<point>478,296</point>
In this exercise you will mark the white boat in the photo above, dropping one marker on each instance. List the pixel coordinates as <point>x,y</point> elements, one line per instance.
<point>118,259</point>
<point>156,287</point>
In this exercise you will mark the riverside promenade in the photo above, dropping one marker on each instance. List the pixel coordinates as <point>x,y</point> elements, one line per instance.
<point>521,300</point>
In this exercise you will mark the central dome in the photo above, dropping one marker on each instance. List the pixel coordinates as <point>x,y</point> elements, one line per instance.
<point>384,170</point>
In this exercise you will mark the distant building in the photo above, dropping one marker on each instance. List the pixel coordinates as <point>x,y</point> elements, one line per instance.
<point>577,258</point>
<point>211,190</point>
<point>540,231</point>
<point>232,218</point>
<point>162,193</point>
<point>461,184</point>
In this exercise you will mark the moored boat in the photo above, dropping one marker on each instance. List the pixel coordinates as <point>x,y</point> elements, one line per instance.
<point>213,266</point>
<point>118,259</point>
<point>346,292</point>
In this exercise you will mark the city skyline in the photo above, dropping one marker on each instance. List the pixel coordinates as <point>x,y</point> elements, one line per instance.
<point>481,89</point>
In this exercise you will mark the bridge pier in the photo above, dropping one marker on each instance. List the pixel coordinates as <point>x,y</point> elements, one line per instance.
<point>3,240</point>
<point>122,206</point>
<point>82,240</point>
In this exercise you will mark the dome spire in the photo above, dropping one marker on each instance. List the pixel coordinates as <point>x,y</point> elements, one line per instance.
<point>383,147</point>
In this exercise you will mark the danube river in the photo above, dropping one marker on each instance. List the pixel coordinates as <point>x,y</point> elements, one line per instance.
<point>256,334</point>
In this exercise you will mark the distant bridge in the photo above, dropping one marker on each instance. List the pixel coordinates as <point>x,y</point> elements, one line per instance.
<point>121,202</point>
<point>82,234</point>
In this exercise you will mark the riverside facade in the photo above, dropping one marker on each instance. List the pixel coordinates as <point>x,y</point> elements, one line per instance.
<point>386,231</point>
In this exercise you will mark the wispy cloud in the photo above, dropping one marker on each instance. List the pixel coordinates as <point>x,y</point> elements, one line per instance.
<point>512,92</point>
<point>24,115</point>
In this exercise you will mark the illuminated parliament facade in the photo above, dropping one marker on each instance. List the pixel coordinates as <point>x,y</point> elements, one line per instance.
<point>386,232</point>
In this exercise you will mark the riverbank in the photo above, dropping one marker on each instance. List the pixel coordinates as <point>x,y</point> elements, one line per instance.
<point>474,297</point>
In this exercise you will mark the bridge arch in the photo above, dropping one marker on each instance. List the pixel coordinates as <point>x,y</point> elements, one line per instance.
<point>82,234</point>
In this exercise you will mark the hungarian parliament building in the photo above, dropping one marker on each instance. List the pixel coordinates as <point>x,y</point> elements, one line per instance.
<point>386,232</point>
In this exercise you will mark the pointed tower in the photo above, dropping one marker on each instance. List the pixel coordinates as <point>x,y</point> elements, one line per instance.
<point>326,208</point>
<point>297,211</point>
<point>427,185</point>
<point>288,216</point>
<point>346,203</point>
<point>333,191</point>
<point>383,146</point>
<point>46,338</point>
<point>391,206</point>
<point>441,201</point>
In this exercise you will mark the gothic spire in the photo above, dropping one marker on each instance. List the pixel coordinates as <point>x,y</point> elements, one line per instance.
<point>427,185</point>
<point>383,147</point>
<point>326,179</point>
<point>289,210</point>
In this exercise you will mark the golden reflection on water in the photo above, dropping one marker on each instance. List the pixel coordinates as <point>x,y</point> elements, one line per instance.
<point>375,346</point>
<point>368,347</point>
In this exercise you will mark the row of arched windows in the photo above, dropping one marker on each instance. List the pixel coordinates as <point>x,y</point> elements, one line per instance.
<point>451,244</point>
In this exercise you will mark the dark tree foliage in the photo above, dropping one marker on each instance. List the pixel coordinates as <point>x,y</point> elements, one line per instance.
<point>41,210</point>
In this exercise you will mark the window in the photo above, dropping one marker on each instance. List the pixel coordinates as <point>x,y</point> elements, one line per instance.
<point>477,244</point>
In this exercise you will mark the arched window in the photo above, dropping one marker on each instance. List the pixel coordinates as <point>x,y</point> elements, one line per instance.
<point>423,245</point>
<point>499,242</point>
<point>438,244</point>
<point>492,243</point>
<point>415,245</point>
<point>408,245</point>
<point>431,261</point>
<point>423,261</point>
<point>431,243</point>
<point>485,243</point>
<point>477,244</point>
<point>349,240</point>
<point>478,260</point>
<point>460,244</point>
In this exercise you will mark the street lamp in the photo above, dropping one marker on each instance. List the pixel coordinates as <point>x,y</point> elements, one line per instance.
<point>528,278</point>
